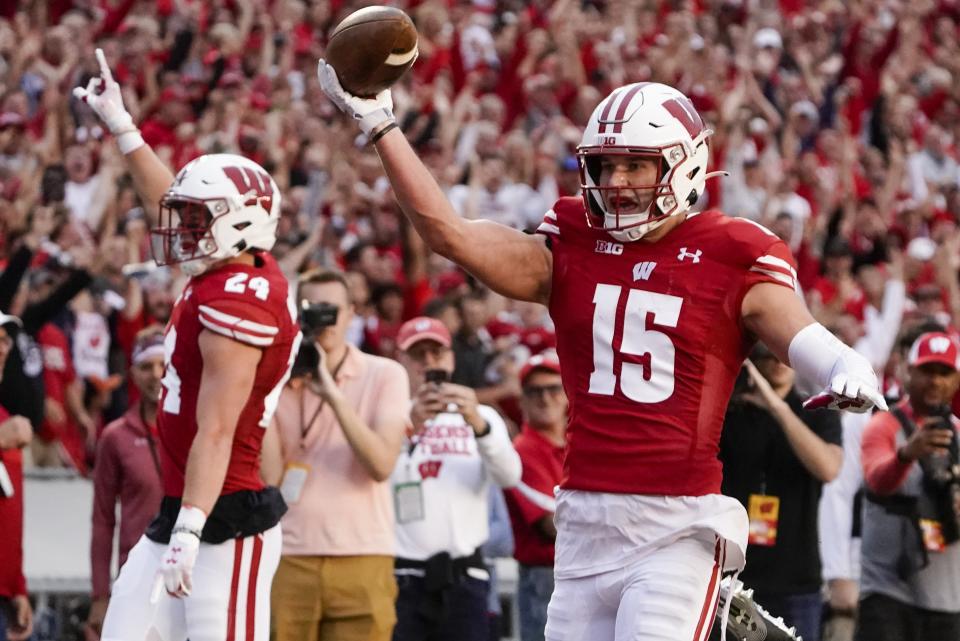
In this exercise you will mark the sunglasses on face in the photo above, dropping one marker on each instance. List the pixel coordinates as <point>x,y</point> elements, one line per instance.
<point>534,391</point>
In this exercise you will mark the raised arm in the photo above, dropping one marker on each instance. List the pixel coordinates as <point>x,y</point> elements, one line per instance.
<point>508,261</point>
<point>150,176</point>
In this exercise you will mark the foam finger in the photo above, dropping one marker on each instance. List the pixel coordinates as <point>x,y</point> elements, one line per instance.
<point>104,68</point>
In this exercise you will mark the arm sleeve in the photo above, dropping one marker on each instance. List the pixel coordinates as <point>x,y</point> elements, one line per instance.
<point>499,457</point>
<point>883,472</point>
<point>106,486</point>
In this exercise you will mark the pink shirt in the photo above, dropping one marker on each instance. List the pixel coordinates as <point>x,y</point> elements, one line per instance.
<point>342,510</point>
<point>125,470</point>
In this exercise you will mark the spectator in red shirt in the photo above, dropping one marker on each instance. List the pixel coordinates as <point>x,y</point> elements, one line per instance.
<point>127,468</point>
<point>16,617</point>
<point>541,445</point>
<point>910,555</point>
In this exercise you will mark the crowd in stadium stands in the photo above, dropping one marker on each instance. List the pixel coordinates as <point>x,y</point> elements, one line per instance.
<point>838,123</point>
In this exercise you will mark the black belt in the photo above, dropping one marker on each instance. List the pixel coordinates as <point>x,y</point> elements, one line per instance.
<point>441,570</point>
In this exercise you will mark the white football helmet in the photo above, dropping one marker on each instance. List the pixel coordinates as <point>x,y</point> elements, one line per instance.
<point>218,206</point>
<point>643,120</point>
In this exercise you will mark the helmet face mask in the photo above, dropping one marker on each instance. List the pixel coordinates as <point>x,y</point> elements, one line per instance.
<point>617,207</point>
<point>184,233</point>
<point>643,121</point>
<point>219,206</point>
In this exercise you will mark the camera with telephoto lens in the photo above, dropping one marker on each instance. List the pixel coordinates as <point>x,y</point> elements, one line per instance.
<point>941,476</point>
<point>313,319</point>
<point>317,316</point>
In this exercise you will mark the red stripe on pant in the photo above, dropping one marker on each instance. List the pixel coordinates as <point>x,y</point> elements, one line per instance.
<point>709,603</point>
<point>252,588</point>
<point>234,584</point>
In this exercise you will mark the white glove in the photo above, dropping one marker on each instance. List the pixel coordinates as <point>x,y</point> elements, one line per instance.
<point>848,378</point>
<point>176,565</point>
<point>371,113</point>
<point>849,392</point>
<point>103,96</point>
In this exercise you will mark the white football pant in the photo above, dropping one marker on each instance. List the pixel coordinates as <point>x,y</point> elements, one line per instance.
<point>669,594</point>
<point>230,600</point>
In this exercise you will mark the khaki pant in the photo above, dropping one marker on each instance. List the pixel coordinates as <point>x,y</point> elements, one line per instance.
<point>334,598</point>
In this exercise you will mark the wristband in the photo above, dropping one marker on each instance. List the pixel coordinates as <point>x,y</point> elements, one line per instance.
<point>129,141</point>
<point>190,519</point>
<point>380,134</point>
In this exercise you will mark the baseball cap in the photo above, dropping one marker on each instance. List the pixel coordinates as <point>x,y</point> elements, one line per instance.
<point>538,363</point>
<point>9,320</point>
<point>767,37</point>
<point>935,347</point>
<point>149,345</point>
<point>422,328</point>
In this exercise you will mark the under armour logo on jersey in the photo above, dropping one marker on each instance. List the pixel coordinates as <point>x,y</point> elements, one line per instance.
<point>939,344</point>
<point>607,247</point>
<point>695,255</point>
<point>642,271</point>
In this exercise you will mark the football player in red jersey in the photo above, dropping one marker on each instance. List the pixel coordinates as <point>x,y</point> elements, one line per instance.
<point>656,308</point>
<point>228,349</point>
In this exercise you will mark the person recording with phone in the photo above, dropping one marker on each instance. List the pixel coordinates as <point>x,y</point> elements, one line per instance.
<point>454,450</point>
<point>331,447</point>
<point>910,551</point>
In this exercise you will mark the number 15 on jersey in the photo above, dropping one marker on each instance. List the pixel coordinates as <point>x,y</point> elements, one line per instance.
<point>638,340</point>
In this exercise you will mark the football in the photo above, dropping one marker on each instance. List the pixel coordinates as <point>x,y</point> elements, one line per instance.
<point>371,49</point>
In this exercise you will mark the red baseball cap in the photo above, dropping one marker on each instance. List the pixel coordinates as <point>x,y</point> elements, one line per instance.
<point>422,328</point>
<point>935,347</point>
<point>538,363</point>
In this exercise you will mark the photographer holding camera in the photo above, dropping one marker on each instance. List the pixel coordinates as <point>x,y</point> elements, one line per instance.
<point>331,448</point>
<point>455,448</point>
<point>910,580</point>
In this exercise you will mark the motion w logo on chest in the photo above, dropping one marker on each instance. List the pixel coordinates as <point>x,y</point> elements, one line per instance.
<point>642,271</point>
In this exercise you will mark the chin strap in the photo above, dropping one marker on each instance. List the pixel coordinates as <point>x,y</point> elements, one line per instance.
<point>716,174</point>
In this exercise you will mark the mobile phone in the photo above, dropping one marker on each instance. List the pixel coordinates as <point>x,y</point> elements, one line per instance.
<point>437,376</point>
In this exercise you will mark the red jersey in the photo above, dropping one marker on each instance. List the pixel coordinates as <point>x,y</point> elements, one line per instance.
<point>650,339</point>
<point>542,471</point>
<point>252,304</point>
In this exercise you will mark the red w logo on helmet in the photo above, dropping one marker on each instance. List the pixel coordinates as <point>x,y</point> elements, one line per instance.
<point>250,180</point>
<point>683,110</point>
